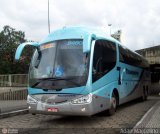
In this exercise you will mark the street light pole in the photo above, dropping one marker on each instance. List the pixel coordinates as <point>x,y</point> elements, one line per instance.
<point>48,19</point>
<point>110,27</point>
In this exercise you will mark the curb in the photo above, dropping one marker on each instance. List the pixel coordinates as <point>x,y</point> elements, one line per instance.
<point>147,116</point>
<point>13,113</point>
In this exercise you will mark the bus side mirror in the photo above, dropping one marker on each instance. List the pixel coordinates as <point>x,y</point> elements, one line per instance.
<point>37,61</point>
<point>21,47</point>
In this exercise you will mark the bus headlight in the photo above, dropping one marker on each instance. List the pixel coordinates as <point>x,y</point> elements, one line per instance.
<point>31,100</point>
<point>83,99</point>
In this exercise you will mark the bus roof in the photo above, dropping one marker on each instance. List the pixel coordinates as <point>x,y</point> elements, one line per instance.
<point>76,32</point>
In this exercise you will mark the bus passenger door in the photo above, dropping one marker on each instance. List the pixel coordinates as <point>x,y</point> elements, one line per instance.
<point>104,65</point>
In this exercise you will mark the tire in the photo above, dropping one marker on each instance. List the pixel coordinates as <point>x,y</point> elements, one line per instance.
<point>113,107</point>
<point>144,95</point>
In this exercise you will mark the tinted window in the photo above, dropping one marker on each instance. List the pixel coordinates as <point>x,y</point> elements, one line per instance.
<point>131,58</point>
<point>104,58</point>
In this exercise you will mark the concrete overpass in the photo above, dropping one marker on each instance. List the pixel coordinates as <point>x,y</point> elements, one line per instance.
<point>152,54</point>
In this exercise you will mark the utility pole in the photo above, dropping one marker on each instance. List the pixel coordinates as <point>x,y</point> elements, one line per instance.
<point>110,27</point>
<point>48,19</point>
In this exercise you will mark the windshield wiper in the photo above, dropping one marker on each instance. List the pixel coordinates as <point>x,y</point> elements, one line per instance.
<point>55,79</point>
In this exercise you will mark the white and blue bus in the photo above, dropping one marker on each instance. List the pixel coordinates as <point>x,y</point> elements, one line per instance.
<point>82,71</point>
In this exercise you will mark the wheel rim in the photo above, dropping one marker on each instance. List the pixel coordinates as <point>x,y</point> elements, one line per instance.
<point>114,102</point>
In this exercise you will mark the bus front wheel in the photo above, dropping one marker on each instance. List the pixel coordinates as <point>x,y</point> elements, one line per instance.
<point>113,107</point>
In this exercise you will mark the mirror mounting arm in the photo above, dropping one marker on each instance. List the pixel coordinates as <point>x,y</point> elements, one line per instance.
<point>21,47</point>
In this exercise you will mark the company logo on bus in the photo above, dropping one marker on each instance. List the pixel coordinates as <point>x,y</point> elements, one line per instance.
<point>132,72</point>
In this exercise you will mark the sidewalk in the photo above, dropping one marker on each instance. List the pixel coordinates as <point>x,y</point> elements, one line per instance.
<point>12,107</point>
<point>152,118</point>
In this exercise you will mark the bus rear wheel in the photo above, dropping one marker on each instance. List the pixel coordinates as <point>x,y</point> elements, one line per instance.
<point>113,107</point>
<point>144,95</point>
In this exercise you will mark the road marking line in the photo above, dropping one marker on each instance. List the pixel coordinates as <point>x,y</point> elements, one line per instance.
<point>23,110</point>
<point>144,116</point>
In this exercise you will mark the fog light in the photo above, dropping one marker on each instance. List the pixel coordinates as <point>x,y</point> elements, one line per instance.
<point>83,109</point>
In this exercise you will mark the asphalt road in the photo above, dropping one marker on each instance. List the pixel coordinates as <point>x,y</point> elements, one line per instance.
<point>126,116</point>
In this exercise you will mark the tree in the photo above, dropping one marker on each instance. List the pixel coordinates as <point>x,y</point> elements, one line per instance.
<point>9,41</point>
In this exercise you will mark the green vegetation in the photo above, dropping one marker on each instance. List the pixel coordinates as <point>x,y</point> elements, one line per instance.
<point>9,41</point>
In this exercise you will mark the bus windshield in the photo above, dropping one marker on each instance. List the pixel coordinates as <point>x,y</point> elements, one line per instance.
<point>61,64</point>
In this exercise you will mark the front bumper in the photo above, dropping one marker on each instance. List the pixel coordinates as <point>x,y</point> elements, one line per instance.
<point>97,104</point>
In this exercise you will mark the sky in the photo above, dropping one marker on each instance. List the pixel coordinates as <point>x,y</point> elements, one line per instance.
<point>139,20</point>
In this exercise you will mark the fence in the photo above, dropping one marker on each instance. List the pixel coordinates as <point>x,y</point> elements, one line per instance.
<point>14,95</point>
<point>13,87</point>
<point>14,80</point>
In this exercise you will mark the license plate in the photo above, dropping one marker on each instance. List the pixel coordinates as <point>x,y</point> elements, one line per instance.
<point>52,109</point>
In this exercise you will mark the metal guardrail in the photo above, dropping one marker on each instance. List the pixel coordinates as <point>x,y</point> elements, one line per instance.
<point>13,87</point>
<point>13,80</point>
<point>14,95</point>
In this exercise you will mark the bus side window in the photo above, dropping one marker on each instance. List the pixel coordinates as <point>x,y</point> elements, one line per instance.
<point>104,58</point>
<point>128,57</point>
<point>97,59</point>
<point>121,57</point>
